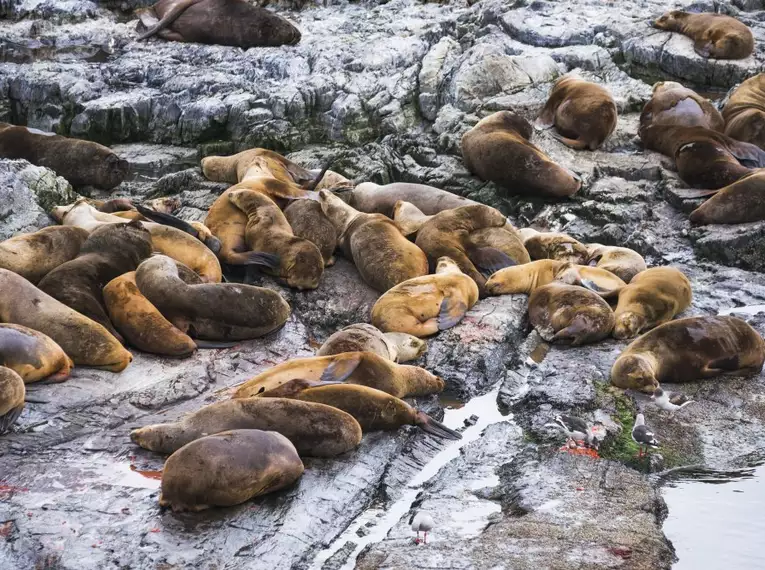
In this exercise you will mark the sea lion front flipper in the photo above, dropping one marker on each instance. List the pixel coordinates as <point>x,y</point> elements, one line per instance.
<point>313,183</point>
<point>434,427</point>
<point>749,155</point>
<point>571,143</point>
<point>340,369</point>
<point>703,47</point>
<point>174,13</point>
<point>489,260</point>
<point>724,365</point>
<point>254,258</point>
<point>452,312</point>
<point>10,418</point>
<point>167,220</point>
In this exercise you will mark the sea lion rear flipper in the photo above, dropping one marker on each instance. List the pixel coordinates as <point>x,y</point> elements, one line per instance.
<point>10,418</point>
<point>489,260</point>
<point>723,365</point>
<point>215,344</point>
<point>167,220</point>
<point>595,288</point>
<point>452,312</point>
<point>749,155</point>
<point>434,427</point>
<point>571,143</point>
<point>339,370</point>
<point>174,13</point>
<point>254,258</point>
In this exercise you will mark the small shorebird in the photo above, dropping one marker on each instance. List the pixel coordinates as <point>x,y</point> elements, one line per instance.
<point>642,435</point>
<point>576,430</point>
<point>670,401</point>
<point>422,522</point>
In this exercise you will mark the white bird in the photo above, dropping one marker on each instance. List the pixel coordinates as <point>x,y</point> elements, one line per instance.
<point>670,401</point>
<point>576,430</point>
<point>422,522</point>
<point>642,435</point>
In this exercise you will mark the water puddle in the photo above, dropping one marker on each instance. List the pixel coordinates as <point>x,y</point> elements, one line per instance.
<point>747,310</point>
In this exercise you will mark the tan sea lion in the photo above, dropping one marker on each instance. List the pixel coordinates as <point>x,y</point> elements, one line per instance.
<point>409,217</point>
<point>308,221</point>
<point>82,163</point>
<point>12,392</point>
<point>654,296</point>
<point>498,149</point>
<point>426,305</point>
<point>33,355</point>
<point>553,245</point>
<point>744,111</point>
<point>288,179</point>
<point>528,277</point>
<point>689,349</point>
<point>362,337</point>
<point>210,311</point>
<point>35,255</point>
<point>674,105</point>
<point>568,313</point>
<point>85,341</point>
<point>583,113</point>
<point>220,22</point>
<point>194,229</point>
<point>300,262</point>
<point>376,199</point>
<point>365,368</point>
<point>738,203</point>
<point>253,462</point>
<point>382,255</point>
<point>623,262</point>
<point>315,430</point>
<point>714,35</point>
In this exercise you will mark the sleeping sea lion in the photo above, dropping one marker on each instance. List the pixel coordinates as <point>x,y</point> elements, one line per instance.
<point>35,255</point>
<point>308,221</point>
<point>675,105</point>
<point>362,337</point>
<point>714,35</point>
<point>375,199</point>
<point>738,203</point>
<point>292,180</point>
<point>553,245</point>
<point>623,262</point>
<point>744,112</point>
<point>12,392</point>
<point>528,277</point>
<point>33,355</point>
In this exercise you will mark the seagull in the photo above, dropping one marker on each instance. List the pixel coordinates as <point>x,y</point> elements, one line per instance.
<point>670,401</point>
<point>576,430</point>
<point>642,435</point>
<point>422,522</point>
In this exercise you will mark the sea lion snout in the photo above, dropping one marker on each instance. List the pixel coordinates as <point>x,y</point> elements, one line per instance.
<point>627,325</point>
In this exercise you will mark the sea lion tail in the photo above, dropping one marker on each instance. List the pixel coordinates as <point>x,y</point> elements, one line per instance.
<point>174,13</point>
<point>434,427</point>
<point>312,184</point>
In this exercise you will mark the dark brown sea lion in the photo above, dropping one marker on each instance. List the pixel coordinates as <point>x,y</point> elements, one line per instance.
<point>82,163</point>
<point>12,392</point>
<point>375,199</point>
<point>35,255</point>
<point>714,35</point>
<point>689,349</point>
<point>744,112</point>
<point>363,337</point>
<point>308,221</point>
<point>675,105</point>
<point>33,355</point>
<point>222,22</point>
<point>498,149</point>
<point>739,203</point>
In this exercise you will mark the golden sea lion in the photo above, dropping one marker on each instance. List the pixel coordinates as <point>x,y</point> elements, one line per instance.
<point>373,198</point>
<point>689,349</point>
<point>528,277</point>
<point>674,105</point>
<point>12,392</point>
<point>738,203</point>
<point>498,149</point>
<point>623,262</point>
<point>35,255</point>
<point>362,337</point>
<point>33,355</point>
<point>308,221</point>
<point>290,179</point>
<point>227,469</point>
<point>653,297</point>
<point>744,112</point>
<point>714,35</point>
<point>553,245</point>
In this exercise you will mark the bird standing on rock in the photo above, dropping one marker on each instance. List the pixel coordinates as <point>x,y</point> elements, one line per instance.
<point>422,522</point>
<point>670,401</point>
<point>576,430</point>
<point>642,435</point>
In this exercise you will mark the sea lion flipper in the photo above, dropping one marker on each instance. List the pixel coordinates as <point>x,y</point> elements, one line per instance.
<point>452,312</point>
<point>434,427</point>
<point>749,155</point>
<point>10,418</point>
<point>174,13</point>
<point>722,365</point>
<point>340,369</point>
<point>576,144</point>
<point>167,220</point>
<point>489,260</point>
<point>312,184</point>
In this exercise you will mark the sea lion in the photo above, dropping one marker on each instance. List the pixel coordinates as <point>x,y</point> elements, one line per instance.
<point>744,112</point>
<point>529,277</point>
<point>300,262</point>
<point>674,105</point>
<point>308,221</point>
<point>291,179</point>
<point>195,229</point>
<point>498,149</point>
<point>85,341</point>
<point>108,252</point>
<point>33,355</point>
<point>583,113</point>
<point>426,305</point>
<point>689,349</point>
<point>382,255</point>
<point>361,337</point>
<point>82,163</point>
<point>365,368</point>
<point>210,311</point>
<point>568,313</point>
<point>315,430</point>
<point>227,469</point>
<point>653,297</point>
<point>36,254</point>
<point>372,198</point>
<point>140,322</point>
<point>714,35</point>
<point>165,205</point>
<point>553,245</point>
<point>409,217</point>
<point>623,262</point>
<point>221,22</point>
<point>738,203</point>
<point>12,392</point>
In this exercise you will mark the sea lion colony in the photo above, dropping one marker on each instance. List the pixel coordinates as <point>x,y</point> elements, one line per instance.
<point>117,275</point>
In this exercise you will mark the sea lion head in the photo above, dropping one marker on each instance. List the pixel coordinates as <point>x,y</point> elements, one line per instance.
<point>447,265</point>
<point>670,20</point>
<point>338,212</point>
<point>635,371</point>
<point>661,86</point>
<point>304,265</point>
<point>278,31</point>
<point>628,325</point>
<point>407,346</point>
<point>155,437</point>
<point>114,172</point>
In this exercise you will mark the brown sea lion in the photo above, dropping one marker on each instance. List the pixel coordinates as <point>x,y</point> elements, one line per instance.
<point>375,199</point>
<point>382,255</point>
<point>362,337</point>
<point>553,245</point>
<point>528,277</point>
<point>583,113</point>
<point>220,22</point>
<point>85,341</point>
<point>623,262</point>
<point>140,322</point>
<point>498,149</point>
<point>194,229</point>
<point>426,305</point>
<point>714,35</point>
<point>689,349</point>
<point>82,163</point>
<point>227,469</point>
<point>300,262</point>
<point>744,112</point>
<point>308,221</point>
<point>738,203</point>
<point>291,179</point>
<point>365,368</point>
<point>315,430</point>
<point>571,314</point>
<point>108,252</point>
<point>674,105</point>
<point>12,392</point>
<point>33,355</point>
<point>654,296</point>
<point>210,311</point>
<point>35,255</point>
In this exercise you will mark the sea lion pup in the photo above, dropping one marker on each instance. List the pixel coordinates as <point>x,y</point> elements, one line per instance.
<point>308,221</point>
<point>85,341</point>
<point>623,262</point>
<point>221,22</point>
<point>744,111</point>
<point>654,296</point>
<point>361,337</point>
<point>108,252</point>
<point>82,163</point>
<point>315,430</point>
<point>227,469</point>
<point>33,355</point>
<point>426,305</point>
<point>374,410</point>
<point>12,392</point>
<point>570,314</point>
<point>210,311</point>
<point>583,113</point>
<point>739,203</point>
<point>300,262</point>
<point>689,349</point>
<point>382,255</point>
<point>140,322</point>
<point>713,35</point>
<point>553,245</point>
<point>529,277</point>
<point>365,368</point>
<point>36,254</point>
<point>674,105</point>
<point>498,149</point>
<point>375,199</point>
